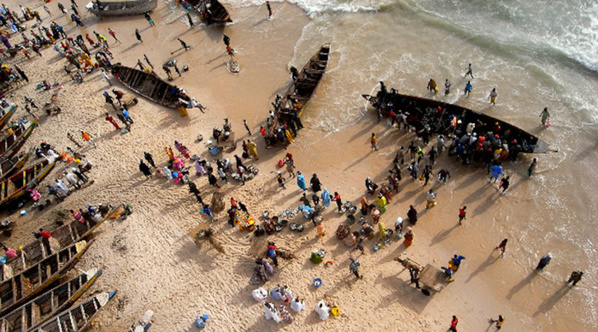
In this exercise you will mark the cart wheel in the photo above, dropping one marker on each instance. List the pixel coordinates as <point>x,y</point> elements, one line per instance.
<point>426,291</point>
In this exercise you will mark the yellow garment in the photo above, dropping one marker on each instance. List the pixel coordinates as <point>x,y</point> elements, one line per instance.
<point>289,136</point>
<point>252,147</point>
<point>382,230</point>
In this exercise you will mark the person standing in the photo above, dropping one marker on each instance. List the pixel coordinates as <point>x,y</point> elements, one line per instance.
<point>532,167</point>
<point>105,76</point>
<point>408,238</point>
<point>148,62</point>
<point>149,19</point>
<point>430,199</point>
<point>252,147</point>
<point>545,115</point>
<point>575,277</point>
<point>271,251</point>
<point>432,86</point>
<point>138,35</point>
<point>354,267</point>
<point>191,25</point>
<point>412,215</point>
<point>110,119</point>
<point>246,127</point>
<point>374,142</point>
<point>492,96</point>
<point>462,214</point>
<point>504,184</point>
<point>269,9</point>
<point>468,88</point>
<point>456,262</point>
<point>469,71</point>
<point>502,247</point>
<point>183,44</point>
<point>150,159</point>
<point>87,138</point>
<point>301,181</point>
<point>339,202</point>
<point>145,169</point>
<point>499,321</point>
<point>113,34</point>
<point>315,183</point>
<point>544,261</point>
<point>280,180</point>
<point>496,172</point>
<point>447,87</point>
<point>454,323</point>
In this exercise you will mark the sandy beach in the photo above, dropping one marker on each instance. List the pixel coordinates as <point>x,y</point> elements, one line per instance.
<point>153,262</point>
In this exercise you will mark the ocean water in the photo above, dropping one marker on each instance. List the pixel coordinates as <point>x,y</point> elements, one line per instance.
<point>537,53</point>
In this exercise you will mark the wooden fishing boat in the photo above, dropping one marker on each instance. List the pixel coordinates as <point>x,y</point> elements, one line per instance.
<point>47,305</point>
<point>9,166</point>
<point>24,286</point>
<point>121,8</point>
<point>6,113</point>
<point>150,86</point>
<point>438,116</point>
<point>38,250</point>
<point>77,318</point>
<point>13,142</point>
<point>16,185</point>
<point>294,101</point>
<point>210,11</point>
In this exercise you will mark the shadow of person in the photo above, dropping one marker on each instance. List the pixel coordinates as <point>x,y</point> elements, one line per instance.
<point>547,304</point>
<point>491,259</point>
<point>522,284</point>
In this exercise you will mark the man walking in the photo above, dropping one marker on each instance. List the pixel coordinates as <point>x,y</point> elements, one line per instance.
<point>575,277</point>
<point>502,247</point>
<point>469,71</point>
<point>272,253</point>
<point>544,261</point>
<point>430,199</point>
<point>354,268</point>
<point>138,35</point>
<point>183,44</point>
<point>113,34</point>
<point>110,119</point>
<point>247,127</point>
<point>269,9</point>
<point>454,323</point>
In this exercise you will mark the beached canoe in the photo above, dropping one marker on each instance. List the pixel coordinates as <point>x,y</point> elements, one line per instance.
<point>424,111</point>
<point>121,8</point>
<point>9,166</point>
<point>24,286</point>
<point>294,101</point>
<point>77,318</point>
<point>16,185</point>
<point>150,86</point>
<point>49,304</point>
<point>38,250</point>
<point>210,11</point>
<point>13,142</point>
<point>6,113</point>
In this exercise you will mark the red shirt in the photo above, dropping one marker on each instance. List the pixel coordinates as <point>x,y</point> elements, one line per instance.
<point>454,323</point>
<point>462,213</point>
<point>45,234</point>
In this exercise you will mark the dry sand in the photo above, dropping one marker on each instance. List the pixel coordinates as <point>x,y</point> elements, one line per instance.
<point>153,262</point>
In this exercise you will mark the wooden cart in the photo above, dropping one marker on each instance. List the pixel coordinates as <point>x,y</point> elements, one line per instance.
<point>433,280</point>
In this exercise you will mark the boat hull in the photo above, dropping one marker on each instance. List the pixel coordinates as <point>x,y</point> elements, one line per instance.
<point>437,115</point>
<point>122,8</point>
